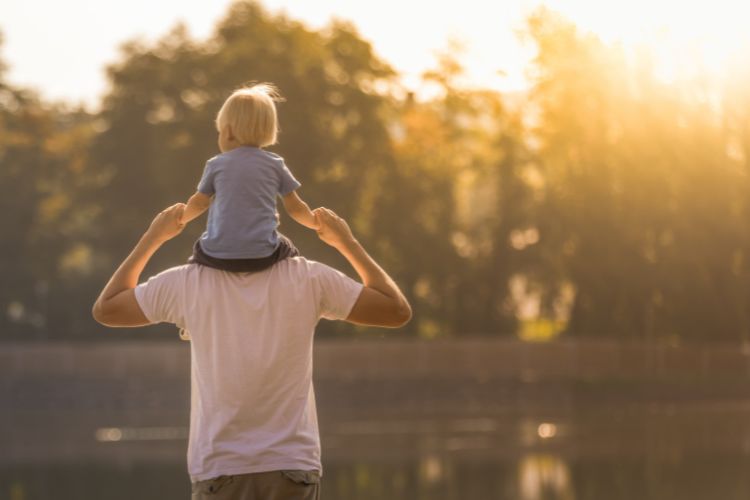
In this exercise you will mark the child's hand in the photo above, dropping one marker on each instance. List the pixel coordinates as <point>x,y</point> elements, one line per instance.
<point>317,224</point>
<point>168,223</point>
<point>185,216</point>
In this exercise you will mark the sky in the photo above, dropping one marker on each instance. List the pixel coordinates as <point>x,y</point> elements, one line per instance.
<point>63,52</point>
<point>60,48</point>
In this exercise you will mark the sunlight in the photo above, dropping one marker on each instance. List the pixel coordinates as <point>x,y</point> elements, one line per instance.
<point>686,39</point>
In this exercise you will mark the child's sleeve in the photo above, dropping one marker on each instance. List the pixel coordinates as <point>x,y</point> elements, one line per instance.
<point>206,184</point>
<point>288,182</point>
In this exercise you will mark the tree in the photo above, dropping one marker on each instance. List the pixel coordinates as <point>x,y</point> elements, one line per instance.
<point>637,211</point>
<point>457,195</point>
<point>158,121</point>
<point>46,255</point>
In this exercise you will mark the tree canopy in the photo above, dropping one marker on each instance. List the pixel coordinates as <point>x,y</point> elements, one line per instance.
<point>604,202</point>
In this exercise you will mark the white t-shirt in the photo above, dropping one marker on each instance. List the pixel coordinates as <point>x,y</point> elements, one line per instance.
<point>252,403</point>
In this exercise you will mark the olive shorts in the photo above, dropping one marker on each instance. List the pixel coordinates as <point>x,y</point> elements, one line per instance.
<point>273,485</point>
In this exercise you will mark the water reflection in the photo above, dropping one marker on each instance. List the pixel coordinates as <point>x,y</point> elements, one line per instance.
<point>430,470</point>
<point>543,476</point>
<point>98,430</point>
<point>546,430</point>
<point>433,476</point>
<point>115,434</point>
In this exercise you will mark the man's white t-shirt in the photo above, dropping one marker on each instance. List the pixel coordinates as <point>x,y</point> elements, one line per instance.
<point>252,401</point>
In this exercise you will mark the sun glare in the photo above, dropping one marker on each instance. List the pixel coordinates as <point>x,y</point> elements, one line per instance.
<point>684,38</point>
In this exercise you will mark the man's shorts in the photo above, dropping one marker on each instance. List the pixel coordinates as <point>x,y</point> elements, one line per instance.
<point>274,485</point>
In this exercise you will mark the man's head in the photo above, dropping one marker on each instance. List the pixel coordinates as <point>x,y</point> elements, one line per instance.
<point>248,117</point>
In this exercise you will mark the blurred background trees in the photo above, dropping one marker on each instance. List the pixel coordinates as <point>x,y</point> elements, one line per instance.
<point>605,202</point>
<point>641,192</point>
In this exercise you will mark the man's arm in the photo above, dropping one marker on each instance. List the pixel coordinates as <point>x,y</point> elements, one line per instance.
<point>381,302</point>
<point>117,305</point>
<point>299,210</point>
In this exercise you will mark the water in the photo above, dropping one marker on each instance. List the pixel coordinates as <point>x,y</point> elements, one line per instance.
<point>91,426</point>
<point>533,477</point>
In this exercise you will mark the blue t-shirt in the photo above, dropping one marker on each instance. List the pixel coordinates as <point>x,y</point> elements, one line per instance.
<point>245,182</point>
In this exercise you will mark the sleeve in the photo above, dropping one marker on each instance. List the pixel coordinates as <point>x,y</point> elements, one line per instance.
<point>288,182</point>
<point>161,297</point>
<point>206,184</point>
<point>337,293</point>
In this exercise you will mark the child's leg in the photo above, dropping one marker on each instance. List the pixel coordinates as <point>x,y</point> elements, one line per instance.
<point>285,250</point>
<point>202,258</point>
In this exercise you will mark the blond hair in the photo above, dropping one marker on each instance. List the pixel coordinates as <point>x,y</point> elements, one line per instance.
<point>250,112</point>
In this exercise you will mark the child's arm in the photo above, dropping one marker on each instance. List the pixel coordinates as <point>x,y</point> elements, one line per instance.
<point>299,211</point>
<point>196,205</point>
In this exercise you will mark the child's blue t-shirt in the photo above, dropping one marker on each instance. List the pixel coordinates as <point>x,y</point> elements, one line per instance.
<point>245,182</point>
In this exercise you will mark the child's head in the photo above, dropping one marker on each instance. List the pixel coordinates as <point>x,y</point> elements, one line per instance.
<point>248,116</point>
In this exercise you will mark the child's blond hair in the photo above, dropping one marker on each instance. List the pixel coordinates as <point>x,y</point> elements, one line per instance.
<point>250,112</point>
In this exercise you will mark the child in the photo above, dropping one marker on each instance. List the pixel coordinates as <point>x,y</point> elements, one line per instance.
<point>239,188</point>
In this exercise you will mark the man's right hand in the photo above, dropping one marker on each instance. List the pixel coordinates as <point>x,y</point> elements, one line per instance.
<point>333,229</point>
<point>381,302</point>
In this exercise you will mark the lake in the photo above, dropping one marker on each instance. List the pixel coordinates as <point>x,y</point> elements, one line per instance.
<point>400,419</point>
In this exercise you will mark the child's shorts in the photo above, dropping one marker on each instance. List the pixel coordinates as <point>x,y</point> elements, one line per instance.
<point>285,250</point>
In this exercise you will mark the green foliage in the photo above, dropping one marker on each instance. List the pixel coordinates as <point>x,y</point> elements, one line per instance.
<point>160,111</point>
<point>460,159</point>
<point>45,227</point>
<point>640,197</point>
<point>616,201</point>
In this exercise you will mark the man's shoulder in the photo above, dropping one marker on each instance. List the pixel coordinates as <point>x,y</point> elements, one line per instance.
<point>293,269</point>
<point>173,273</point>
<point>300,264</point>
<point>292,265</point>
<point>297,268</point>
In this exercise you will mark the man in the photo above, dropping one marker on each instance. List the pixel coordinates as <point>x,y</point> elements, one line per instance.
<point>253,422</point>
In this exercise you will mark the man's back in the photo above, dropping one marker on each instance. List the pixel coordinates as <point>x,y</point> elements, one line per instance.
<point>253,407</point>
<point>252,401</point>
